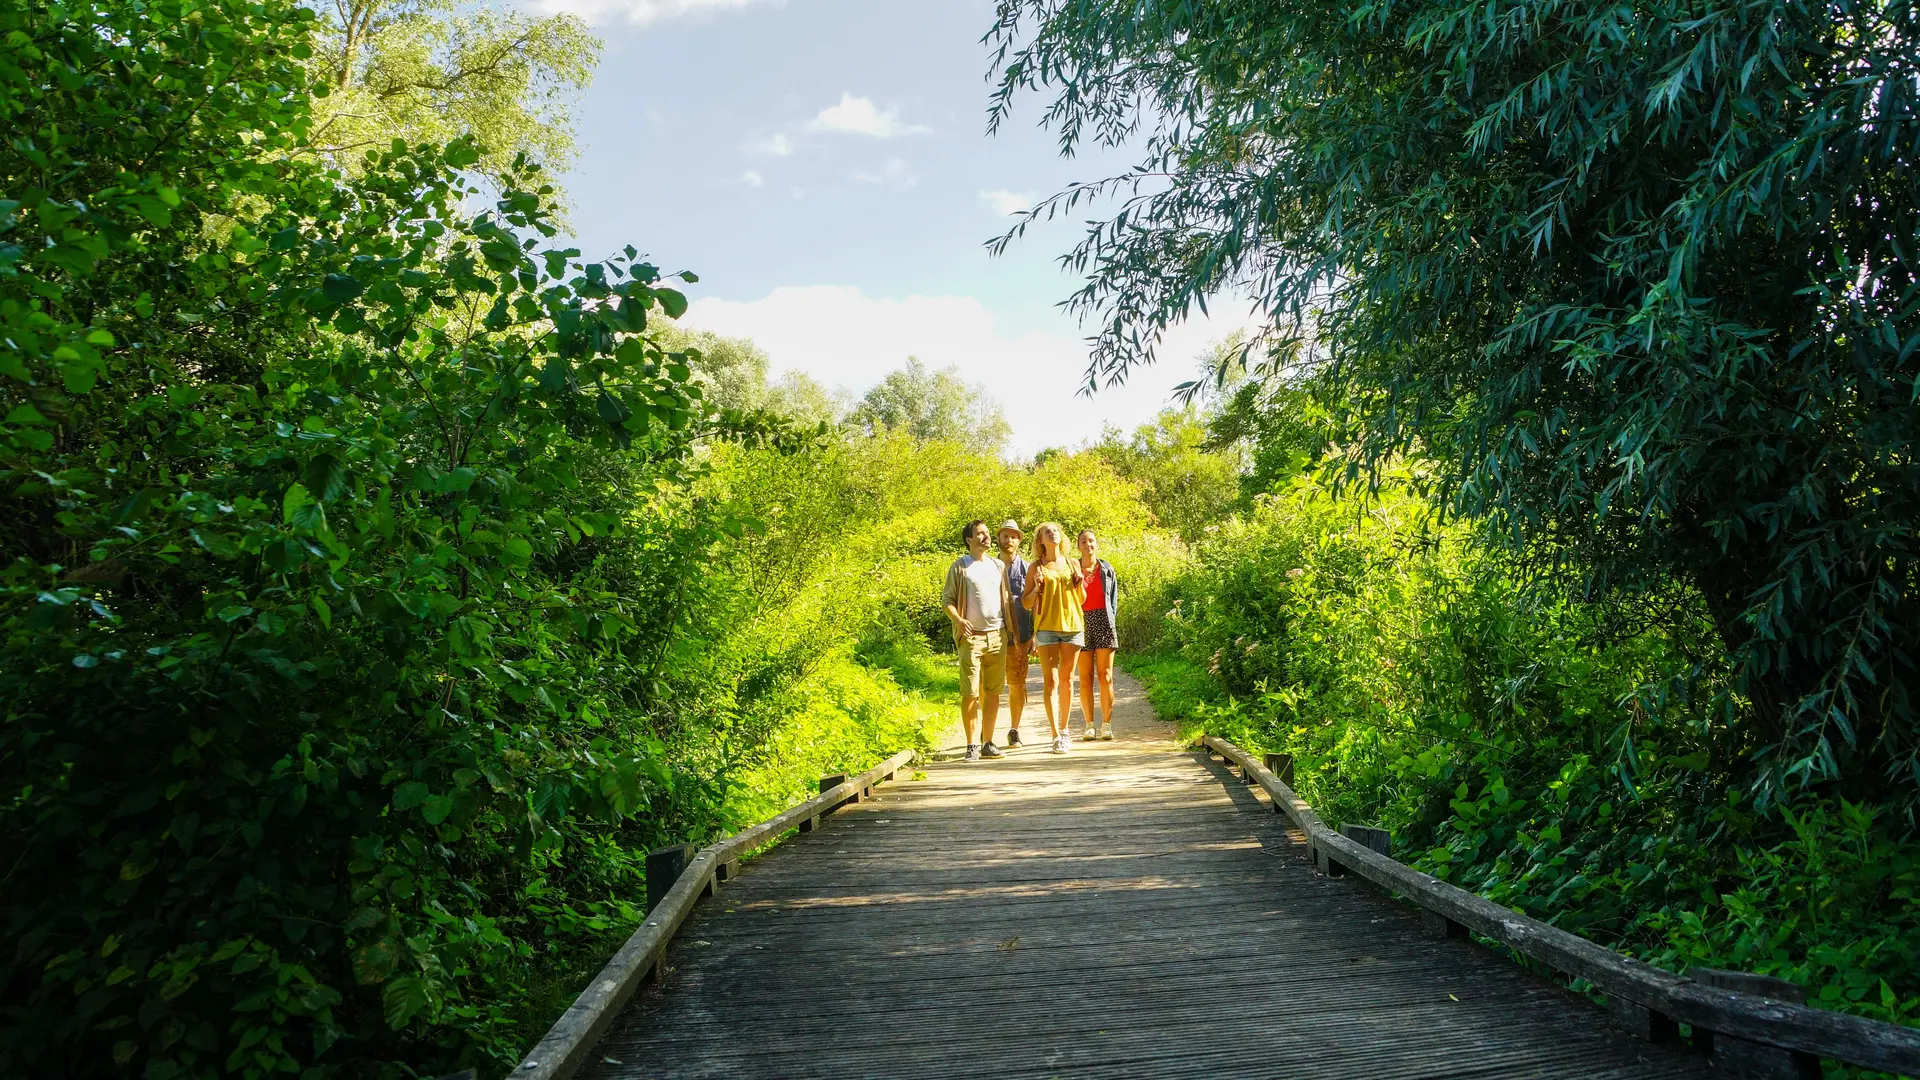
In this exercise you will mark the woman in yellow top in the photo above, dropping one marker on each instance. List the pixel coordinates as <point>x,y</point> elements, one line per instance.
<point>1056,594</point>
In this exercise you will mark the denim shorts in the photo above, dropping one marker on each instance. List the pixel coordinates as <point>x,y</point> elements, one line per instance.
<point>1055,637</point>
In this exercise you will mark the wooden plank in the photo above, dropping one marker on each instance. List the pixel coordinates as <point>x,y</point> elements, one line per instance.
<point>1042,918</point>
<point>1756,1061</point>
<point>1855,1040</point>
<point>567,1044</point>
<point>1378,840</point>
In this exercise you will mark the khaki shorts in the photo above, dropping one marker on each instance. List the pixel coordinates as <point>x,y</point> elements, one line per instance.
<point>983,664</point>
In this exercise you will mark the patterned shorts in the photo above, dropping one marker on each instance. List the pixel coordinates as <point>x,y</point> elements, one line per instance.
<point>1100,633</point>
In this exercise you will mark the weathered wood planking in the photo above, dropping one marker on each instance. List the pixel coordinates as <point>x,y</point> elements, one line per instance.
<point>570,1042</point>
<point>1788,1025</point>
<point>1122,911</point>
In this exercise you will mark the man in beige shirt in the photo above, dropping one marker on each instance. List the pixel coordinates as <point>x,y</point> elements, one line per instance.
<point>981,610</point>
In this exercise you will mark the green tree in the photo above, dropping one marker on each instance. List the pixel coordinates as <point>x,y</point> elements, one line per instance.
<point>311,670</point>
<point>435,70</point>
<point>1187,481</point>
<point>931,405</point>
<point>806,400</point>
<point>733,371</point>
<point>1640,280</point>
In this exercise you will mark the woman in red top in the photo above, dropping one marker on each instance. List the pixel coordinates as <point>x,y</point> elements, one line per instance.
<point>1096,659</point>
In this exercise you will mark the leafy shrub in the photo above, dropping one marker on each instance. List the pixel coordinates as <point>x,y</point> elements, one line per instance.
<point>1555,757</point>
<point>309,739</point>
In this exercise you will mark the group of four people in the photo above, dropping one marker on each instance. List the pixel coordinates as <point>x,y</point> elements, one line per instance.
<point>1006,609</point>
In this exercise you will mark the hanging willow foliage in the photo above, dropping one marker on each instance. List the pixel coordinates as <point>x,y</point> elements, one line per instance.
<point>1638,277</point>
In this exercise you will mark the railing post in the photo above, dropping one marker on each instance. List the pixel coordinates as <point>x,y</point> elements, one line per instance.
<point>1366,836</point>
<point>1280,765</point>
<point>664,867</point>
<point>834,780</point>
<point>1379,840</point>
<point>1645,1023</point>
<point>1751,1059</point>
<point>827,783</point>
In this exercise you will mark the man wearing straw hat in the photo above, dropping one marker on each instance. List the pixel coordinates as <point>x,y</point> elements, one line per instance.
<point>1020,636</point>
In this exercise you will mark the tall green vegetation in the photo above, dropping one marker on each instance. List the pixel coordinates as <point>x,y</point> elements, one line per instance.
<point>932,405</point>
<point>1188,479</point>
<point>1635,281</point>
<point>377,580</point>
<point>312,679</point>
<point>1575,542</point>
<point>1509,743</point>
<point>436,70</point>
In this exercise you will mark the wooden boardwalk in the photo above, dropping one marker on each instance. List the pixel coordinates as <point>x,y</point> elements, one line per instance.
<point>1129,909</point>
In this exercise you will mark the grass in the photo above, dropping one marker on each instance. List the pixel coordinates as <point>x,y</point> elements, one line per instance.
<point>915,667</point>
<point>1175,686</point>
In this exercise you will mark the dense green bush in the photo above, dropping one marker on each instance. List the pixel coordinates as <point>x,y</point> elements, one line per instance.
<point>339,588</point>
<point>1561,758</point>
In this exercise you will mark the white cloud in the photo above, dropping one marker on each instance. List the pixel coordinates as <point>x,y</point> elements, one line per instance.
<point>753,179</point>
<point>1007,202</point>
<point>774,145</point>
<point>642,12</point>
<point>893,173</point>
<point>841,336</point>
<point>859,116</point>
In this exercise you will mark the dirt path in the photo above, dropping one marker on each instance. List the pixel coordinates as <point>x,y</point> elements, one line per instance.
<point>1134,721</point>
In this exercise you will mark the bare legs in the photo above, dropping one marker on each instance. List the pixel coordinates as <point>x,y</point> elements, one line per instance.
<point>1056,678</point>
<point>1096,665</point>
<point>1017,681</point>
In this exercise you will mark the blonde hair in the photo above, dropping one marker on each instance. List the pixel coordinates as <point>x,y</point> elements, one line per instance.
<point>1059,540</point>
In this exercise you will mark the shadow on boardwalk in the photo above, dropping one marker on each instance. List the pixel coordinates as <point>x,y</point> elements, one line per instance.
<point>1125,910</point>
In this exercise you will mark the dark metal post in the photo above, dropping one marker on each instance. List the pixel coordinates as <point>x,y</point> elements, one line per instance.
<point>664,867</point>
<point>1280,765</point>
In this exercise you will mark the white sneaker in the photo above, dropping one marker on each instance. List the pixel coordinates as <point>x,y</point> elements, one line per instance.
<point>1106,732</point>
<point>1066,743</point>
<point>1087,736</point>
<point>1059,744</point>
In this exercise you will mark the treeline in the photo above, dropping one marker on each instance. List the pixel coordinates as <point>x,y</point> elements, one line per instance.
<point>1577,536</point>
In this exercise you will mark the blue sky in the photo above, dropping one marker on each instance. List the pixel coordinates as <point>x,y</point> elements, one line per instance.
<point>824,166</point>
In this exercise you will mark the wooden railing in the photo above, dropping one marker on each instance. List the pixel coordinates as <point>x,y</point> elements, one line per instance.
<point>675,883</point>
<point>1739,1017</point>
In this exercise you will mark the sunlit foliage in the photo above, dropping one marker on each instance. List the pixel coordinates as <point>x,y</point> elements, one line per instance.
<point>1638,278</point>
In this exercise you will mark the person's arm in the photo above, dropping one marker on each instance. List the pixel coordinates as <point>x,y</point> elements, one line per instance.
<point>959,621</point>
<point>951,597</point>
<point>1030,595</point>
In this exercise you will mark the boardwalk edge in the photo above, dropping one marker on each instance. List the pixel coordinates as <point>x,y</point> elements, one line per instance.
<point>1855,1040</point>
<point>570,1041</point>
